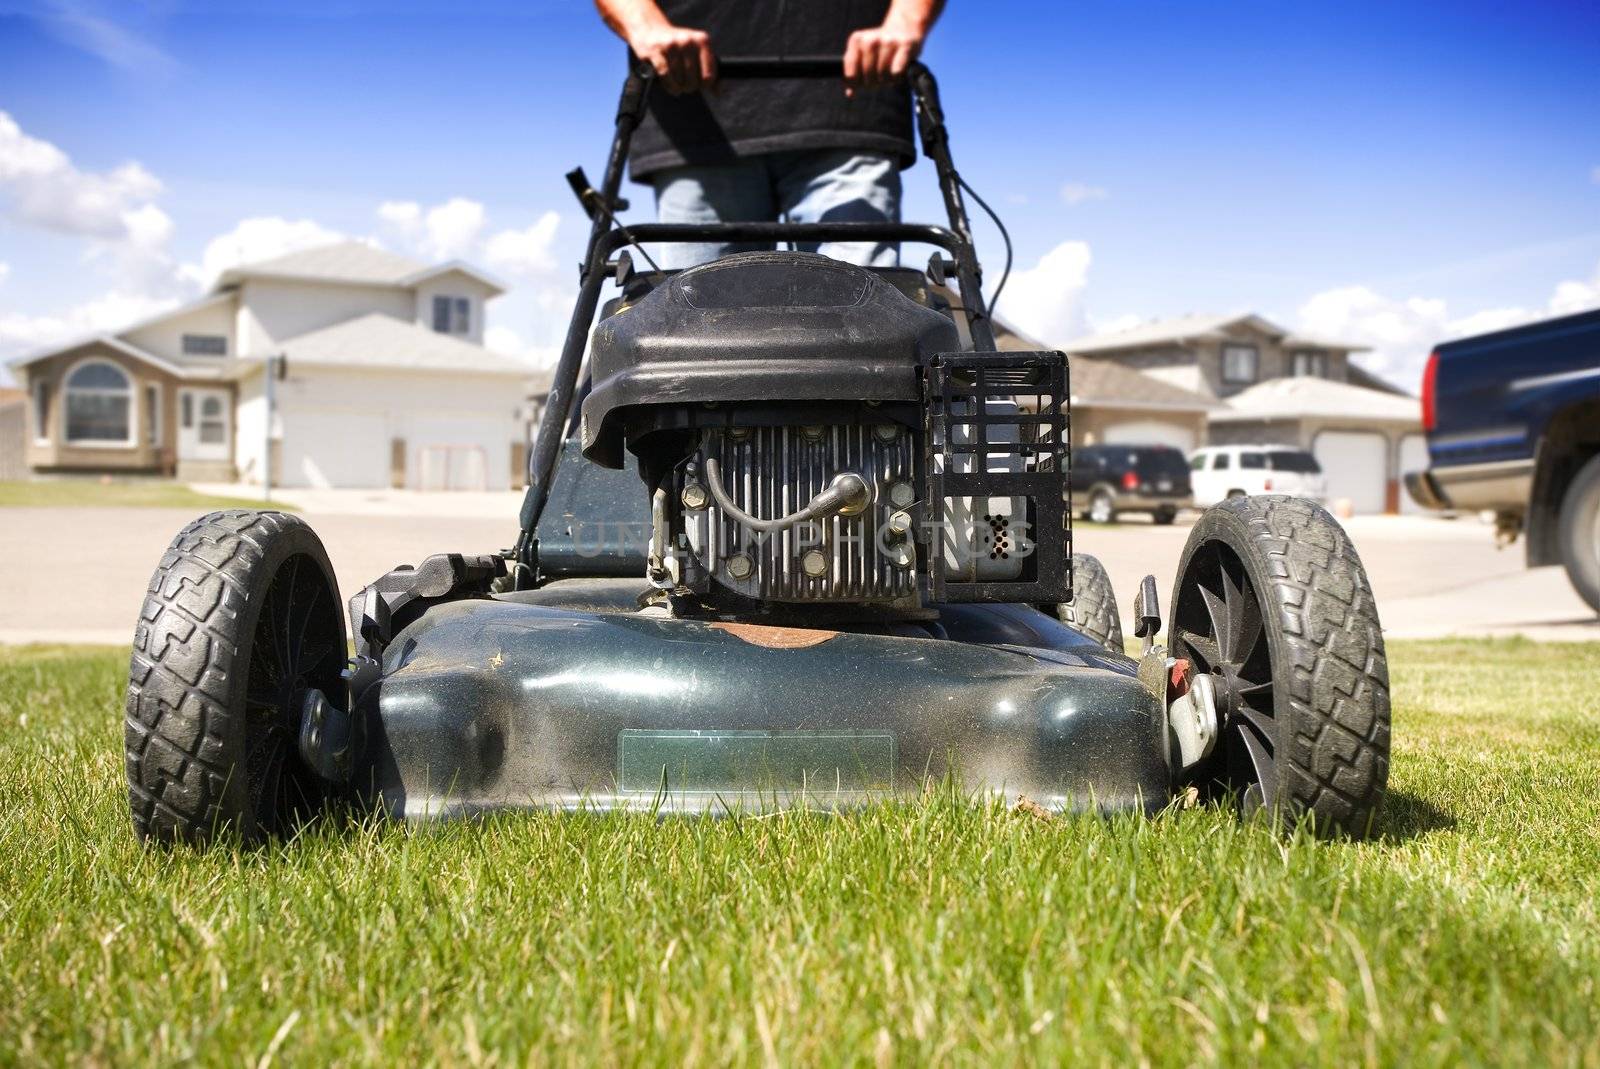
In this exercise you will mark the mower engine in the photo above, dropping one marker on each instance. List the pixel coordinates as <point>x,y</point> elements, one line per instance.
<point>811,435</point>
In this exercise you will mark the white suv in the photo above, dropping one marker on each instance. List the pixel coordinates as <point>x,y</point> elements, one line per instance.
<point>1223,471</point>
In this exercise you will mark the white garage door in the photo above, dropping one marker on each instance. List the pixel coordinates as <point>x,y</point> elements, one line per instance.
<point>326,449</point>
<point>1150,432</point>
<point>458,454</point>
<point>1413,457</point>
<point>1356,463</point>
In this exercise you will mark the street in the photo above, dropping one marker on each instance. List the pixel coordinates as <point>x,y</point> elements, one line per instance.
<point>79,574</point>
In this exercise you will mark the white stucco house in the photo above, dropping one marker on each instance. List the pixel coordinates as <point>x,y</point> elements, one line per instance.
<point>383,382</point>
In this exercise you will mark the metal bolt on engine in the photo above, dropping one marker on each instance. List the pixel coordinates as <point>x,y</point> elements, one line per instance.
<point>815,563</point>
<point>694,496</point>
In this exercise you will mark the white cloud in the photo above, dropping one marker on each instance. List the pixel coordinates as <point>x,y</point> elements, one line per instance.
<point>260,238</point>
<point>87,25</point>
<point>402,217</point>
<point>527,251</point>
<point>447,231</point>
<point>1403,332</point>
<point>502,339</point>
<point>1074,193</point>
<point>21,333</point>
<point>453,228</point>
<point>42,187</point>
<point>1046,300</point>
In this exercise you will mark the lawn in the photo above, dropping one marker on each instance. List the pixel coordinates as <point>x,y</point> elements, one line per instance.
<point>937,931</point>
<point>142,493</point>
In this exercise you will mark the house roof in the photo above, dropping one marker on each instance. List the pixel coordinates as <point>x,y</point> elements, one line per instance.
<point>1309,397</point>
<point>1101,382</point>
<point>351,263</point>
<point>1199,327</point>
<point>380,341</point>
<point>123,347</point>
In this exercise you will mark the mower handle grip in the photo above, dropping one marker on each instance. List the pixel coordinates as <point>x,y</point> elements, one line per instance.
<point>749,67</point>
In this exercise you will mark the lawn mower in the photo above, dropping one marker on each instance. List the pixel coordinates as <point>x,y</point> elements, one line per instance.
<point>796,533</point>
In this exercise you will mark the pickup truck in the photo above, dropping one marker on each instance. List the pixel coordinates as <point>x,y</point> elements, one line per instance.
<point>1513,422</point>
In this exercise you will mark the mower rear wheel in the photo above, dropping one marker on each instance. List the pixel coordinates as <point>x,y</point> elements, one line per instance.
<point>1273,602</point>
<point>1094,603</point>
<point>242,622</point>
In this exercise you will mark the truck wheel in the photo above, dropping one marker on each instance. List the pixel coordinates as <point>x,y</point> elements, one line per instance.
<point>1580,532</point>
<point>1094,604</point>
<point>1102,508</point>
<point>1273,602</point>
<point>241,622</point>
<point>1164,516</point>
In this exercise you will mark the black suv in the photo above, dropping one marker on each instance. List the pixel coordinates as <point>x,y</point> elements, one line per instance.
<point>1108,479</point>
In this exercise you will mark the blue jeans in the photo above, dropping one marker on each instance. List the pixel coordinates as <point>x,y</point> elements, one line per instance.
<point>811,186</point>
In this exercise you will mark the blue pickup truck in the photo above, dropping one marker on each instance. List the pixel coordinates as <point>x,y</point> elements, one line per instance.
<point>1513,422</point>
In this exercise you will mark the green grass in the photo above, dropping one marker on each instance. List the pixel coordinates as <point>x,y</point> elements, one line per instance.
<point>141,493</point>
<point>936,931</point>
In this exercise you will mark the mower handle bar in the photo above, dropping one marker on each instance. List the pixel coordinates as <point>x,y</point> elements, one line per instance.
<point>606,235</point>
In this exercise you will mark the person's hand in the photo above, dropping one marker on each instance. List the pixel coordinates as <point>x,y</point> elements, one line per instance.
<point>682,57</point>
<point>879,57</point>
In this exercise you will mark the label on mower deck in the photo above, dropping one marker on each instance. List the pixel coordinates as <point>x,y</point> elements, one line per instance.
<point>760,762</point>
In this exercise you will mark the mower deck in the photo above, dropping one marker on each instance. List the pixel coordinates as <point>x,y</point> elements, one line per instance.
<point>567,698</point>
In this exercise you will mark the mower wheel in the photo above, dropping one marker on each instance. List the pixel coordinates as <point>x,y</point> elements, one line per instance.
<point>1094,604</point>
<point>241,623</point>
<point>1273,602</point>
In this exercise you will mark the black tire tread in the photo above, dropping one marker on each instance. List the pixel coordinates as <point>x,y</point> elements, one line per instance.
<point>1576,551</point>
<point>179,719</point>
<point>1335,763</point>
<point>1094,603</point>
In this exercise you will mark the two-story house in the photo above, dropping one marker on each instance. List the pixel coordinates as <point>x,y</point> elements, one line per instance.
<point>381,379</point>
<point>1282,387</point>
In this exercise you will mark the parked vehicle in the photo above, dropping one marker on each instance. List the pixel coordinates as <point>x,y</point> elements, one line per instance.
<point>1219,472</point>
<point>1110,479</point>
<point>1513,422</point>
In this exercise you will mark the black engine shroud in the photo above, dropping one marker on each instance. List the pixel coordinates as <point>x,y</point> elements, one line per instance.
<point>761,327</point>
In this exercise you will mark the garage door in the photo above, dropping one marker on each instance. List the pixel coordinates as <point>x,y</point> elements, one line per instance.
<point>458,454</point>
<point>1413,457</point>
<point>1356,463</point>
<point>1150,432</point>
<point>335,449</point>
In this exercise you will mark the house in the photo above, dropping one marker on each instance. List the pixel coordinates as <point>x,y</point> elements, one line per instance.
<point>1112,404</point>
<point>381,379</point>
<point>1275,385</point>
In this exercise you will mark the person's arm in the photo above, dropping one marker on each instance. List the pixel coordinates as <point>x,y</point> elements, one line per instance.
<point>877,57</point>
<point>682,57</point>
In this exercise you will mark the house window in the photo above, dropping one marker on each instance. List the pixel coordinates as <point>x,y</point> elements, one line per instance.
<point>452,315</point>
<point>152,413</point>
<point>41,412</point>
<point>99,405</point>
<point>1310,363</point>
<point>205,345</point>
<point>1239,363</point>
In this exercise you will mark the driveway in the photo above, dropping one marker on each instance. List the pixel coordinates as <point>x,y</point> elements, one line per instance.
<point>79,574</point>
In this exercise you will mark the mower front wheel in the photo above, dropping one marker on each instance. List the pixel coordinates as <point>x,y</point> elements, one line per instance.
<point>241,627</point>
<point>1273,603</point>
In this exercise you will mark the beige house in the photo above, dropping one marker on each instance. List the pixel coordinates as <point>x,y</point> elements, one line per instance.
<point>382,380</point>
<point>1112,404</point>
<point>1273,385</point>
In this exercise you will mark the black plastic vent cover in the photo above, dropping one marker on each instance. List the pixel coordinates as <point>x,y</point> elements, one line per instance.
<point>971,425</point>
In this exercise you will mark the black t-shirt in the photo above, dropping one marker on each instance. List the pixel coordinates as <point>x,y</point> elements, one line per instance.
<point>753,116</point>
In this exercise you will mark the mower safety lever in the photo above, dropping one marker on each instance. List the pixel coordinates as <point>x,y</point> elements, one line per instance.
<point>589,198</point>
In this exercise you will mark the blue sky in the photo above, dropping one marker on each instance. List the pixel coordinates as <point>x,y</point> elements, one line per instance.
<point>1388,172</point>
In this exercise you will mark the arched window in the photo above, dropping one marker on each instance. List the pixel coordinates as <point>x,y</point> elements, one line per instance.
<point>99,401</point>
